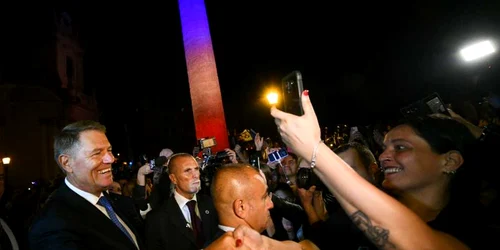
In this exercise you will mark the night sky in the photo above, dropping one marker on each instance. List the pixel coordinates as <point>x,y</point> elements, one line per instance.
<point>361,61</point>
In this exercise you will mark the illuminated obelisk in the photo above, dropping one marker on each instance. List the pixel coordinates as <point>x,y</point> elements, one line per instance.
<point>206,97</point>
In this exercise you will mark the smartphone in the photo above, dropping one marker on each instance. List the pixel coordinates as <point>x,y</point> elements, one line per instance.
<point>255,161</point>
<point>207,142</point>
<point>277,155</point>
<point>292,88</point>
<point>431,104</point>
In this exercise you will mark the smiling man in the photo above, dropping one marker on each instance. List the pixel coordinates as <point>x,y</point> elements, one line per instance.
<point>79,214</point>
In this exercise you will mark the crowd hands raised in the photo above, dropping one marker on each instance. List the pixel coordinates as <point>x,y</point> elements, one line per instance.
<point>420,194</point>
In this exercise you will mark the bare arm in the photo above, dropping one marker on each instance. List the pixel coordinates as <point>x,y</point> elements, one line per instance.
<point>388,223</point>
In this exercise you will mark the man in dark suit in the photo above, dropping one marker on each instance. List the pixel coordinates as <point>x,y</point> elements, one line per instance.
<point>187,219</point>
<point>241,197</point>
<point>80,215</point>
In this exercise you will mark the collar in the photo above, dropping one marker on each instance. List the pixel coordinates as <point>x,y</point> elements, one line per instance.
<point>226,229</point>
<point>181,200</point>
<point>86,195</point>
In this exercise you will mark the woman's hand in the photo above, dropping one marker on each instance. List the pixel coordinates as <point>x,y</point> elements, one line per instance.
<point>301,133</point>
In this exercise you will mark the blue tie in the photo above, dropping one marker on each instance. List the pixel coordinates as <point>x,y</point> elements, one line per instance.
<point>103,201</point>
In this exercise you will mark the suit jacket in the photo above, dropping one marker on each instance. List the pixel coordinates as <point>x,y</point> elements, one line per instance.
<point>166,227</point>
<point>68,221</point>
<point>128,208</point>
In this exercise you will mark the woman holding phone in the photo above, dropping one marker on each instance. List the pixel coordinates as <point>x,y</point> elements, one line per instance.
<point>421,161</point>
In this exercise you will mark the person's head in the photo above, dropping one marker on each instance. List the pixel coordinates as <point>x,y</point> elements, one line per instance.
<point>271,179</point>
<point>83,152</point>
<point>423,153</point>
<point>184,173</point>
<point>240,196</point>
<point>285,192</point>
<point>290,165</point>
<point>166,152</point>
<point>360,158</point>
<point>115,188</point>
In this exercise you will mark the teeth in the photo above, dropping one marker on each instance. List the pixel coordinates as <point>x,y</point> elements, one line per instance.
<point>105,171</point>
<point>392,170</point>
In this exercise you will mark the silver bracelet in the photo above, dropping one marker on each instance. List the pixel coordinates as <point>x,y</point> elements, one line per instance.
<point>313,159</point>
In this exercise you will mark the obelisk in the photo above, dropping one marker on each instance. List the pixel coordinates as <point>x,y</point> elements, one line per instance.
<point>204,86</point>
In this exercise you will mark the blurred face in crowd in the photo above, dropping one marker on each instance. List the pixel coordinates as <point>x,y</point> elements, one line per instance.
<point>115,188</point>
<point>351,157</point>
<point>290,166</point>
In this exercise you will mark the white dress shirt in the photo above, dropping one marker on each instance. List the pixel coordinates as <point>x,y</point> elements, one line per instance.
<point>226,229</point>
<point>182,203</point>
<point>93,200</point>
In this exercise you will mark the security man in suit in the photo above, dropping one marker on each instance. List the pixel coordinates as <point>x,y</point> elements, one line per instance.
<point>187,219</point>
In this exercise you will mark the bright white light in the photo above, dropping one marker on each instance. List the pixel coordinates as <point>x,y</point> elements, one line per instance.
<point>477,50</point>
<point>272,98</point>
<point>6,160</point>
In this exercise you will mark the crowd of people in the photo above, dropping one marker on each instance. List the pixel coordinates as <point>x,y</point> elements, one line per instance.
<point>426,182</point>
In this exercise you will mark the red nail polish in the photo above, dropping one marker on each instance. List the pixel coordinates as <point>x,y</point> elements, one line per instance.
<point>306,92</point>
<point>238,243</point>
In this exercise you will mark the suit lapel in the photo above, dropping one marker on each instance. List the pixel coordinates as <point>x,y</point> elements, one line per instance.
<point>177,218</point>
<point>206,215</point>
<point>95,217</point>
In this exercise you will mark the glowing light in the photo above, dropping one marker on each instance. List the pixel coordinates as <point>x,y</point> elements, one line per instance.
<point>6,160</point>
<point>272,98</point>
<point>476,51</point>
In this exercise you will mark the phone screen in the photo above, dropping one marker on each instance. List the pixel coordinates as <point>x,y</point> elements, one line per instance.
<point>291,86</point>
<point>208,142</point>
<point>436,105</point>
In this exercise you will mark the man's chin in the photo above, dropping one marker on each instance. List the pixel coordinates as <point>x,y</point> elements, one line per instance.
<point>196,189</point>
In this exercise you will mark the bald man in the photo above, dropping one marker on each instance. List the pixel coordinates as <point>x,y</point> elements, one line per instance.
<point>240,196</point>
<point>187,219</point>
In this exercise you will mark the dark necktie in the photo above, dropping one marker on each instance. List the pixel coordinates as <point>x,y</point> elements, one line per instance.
<point>103,201</point>
<point>196,224</point>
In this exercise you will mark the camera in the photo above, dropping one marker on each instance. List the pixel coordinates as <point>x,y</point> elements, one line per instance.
<point>307,178</point>
<point>210,162</point>
<point>220,156</point>
<point>155,164</point>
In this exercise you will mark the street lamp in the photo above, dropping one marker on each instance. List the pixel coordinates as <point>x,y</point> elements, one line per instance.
<point>6,160</point>
<point>477,50</point>
<point>272,98</point>
<point>476,53</point>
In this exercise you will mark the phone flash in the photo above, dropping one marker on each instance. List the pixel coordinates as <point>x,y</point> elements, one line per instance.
<point>272,98</point>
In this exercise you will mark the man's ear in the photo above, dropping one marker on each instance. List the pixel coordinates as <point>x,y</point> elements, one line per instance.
<point>172,179</point>
<point>64,161</point>
<point>240,208</point>
<point>453,160</point>
<point>374,171</point>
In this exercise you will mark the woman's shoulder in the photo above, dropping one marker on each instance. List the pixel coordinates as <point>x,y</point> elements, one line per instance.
<point>466,221</point>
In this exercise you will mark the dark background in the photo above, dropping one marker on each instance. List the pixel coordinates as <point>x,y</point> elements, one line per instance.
<point>361,61</point>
